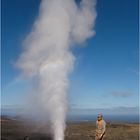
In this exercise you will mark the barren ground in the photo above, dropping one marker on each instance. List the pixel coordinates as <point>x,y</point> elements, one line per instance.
<point>17,130</point>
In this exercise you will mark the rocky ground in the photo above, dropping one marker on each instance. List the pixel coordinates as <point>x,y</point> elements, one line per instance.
<point>12,129</point>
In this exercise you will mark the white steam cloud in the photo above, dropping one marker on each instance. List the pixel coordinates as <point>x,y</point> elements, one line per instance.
<point>47,55</point>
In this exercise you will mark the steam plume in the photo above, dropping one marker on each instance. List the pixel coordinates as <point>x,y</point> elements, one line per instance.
<point>47,55</point>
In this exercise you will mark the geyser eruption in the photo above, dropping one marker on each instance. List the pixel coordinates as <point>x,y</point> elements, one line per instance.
<point>47,55</point>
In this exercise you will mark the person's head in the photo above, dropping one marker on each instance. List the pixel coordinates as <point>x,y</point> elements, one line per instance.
<point>100,117</point>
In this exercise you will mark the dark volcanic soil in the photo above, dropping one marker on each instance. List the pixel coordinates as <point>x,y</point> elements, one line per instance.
<point>17,130</point>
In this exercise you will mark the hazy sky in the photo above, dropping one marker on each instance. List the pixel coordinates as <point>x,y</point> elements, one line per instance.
<point>106,69</point>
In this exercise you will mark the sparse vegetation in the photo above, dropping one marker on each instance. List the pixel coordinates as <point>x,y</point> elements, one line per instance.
<point>16,130</point>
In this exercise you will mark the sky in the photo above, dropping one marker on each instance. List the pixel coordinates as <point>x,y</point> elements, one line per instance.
<point>106,68</point>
